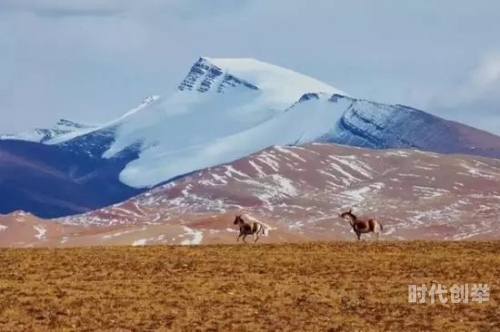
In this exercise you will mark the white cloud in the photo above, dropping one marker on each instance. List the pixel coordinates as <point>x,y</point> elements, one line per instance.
<point>184,9</point>
<point>482,82</point>
<point>64,7</point>
<point>474,98</point>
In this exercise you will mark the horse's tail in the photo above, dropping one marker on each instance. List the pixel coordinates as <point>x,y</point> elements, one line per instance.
<point>375,225</point>
<point>263,229</point>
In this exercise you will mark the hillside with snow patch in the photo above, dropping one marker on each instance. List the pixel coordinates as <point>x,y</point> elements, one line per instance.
<point>297,192</point>
<point>314,181</point>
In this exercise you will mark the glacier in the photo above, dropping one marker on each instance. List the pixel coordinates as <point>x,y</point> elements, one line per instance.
<point>316,117</point>
<point>226,108</point>
<point>298,124</point>
<point>218,98</point>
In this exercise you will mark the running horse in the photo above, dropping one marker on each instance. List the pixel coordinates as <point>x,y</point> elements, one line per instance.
<point>362,226</point>
<point>253,228</point>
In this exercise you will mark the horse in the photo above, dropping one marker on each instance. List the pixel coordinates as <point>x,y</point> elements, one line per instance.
<point>253,228</point>
<point>362,226</point>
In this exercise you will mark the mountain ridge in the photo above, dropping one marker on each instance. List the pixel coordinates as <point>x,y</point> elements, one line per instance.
<point>43,135</point>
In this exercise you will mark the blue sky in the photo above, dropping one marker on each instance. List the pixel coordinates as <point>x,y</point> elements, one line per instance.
<point>92,60</point>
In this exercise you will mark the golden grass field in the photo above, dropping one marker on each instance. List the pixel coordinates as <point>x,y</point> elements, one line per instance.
<point>336,286</point>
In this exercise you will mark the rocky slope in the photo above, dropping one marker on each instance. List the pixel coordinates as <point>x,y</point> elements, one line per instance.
<point>369,124</point>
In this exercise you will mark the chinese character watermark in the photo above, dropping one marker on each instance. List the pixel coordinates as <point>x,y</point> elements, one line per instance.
<point>458,293</point>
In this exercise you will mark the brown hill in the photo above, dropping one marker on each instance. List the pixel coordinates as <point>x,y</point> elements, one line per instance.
<point>299,191</point>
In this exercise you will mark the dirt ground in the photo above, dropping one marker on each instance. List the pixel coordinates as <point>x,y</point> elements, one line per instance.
<point>335,286</point>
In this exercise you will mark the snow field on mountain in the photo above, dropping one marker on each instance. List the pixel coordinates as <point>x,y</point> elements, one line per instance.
<point>226,109</point>
<point>191,130</point>
<point>302,123</point>
<point>281,84</point>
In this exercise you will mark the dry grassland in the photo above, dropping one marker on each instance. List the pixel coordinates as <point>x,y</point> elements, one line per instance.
<point>339,286</point>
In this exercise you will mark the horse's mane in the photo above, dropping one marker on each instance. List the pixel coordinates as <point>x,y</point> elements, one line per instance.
<point>355,218</point>
<point>239,217</point>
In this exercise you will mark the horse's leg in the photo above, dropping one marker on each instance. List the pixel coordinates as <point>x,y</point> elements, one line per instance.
<point>244,236</point>
<point>378,229</point>
<point>256,237</point>
<point>238,240</point>
<point>358,234</point>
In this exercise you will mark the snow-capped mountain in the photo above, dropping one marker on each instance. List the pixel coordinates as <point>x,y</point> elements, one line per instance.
<point>224,109</point>
<point>228,108</point>
<point>43,135</point>
<point>219,98</point>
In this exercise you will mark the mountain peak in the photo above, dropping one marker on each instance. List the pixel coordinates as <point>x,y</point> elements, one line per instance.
<point>68,124</point>
<point>149,99</point>
<point>221,74</point>
<point>205,76</point>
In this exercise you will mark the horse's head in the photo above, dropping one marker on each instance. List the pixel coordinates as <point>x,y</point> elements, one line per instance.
<point>349,216</point>
<point>238,220</point>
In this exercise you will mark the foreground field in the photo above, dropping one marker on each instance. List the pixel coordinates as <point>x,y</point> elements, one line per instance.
<point>339,286</point>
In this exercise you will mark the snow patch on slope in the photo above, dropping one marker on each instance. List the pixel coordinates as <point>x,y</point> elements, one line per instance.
<point>41,231</point>
<point>197,236</point>
<point>360,194</point>
<point>139,242</point>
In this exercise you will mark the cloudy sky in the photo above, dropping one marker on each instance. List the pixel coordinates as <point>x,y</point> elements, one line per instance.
<point>92,60</point>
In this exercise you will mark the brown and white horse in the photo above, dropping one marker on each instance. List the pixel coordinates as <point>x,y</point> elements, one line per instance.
<point>362,226</point>
<point>253,228</point>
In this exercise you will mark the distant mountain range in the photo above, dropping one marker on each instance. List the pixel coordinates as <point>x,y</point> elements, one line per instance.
<point>225,109</point>
<point>42,135</point>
